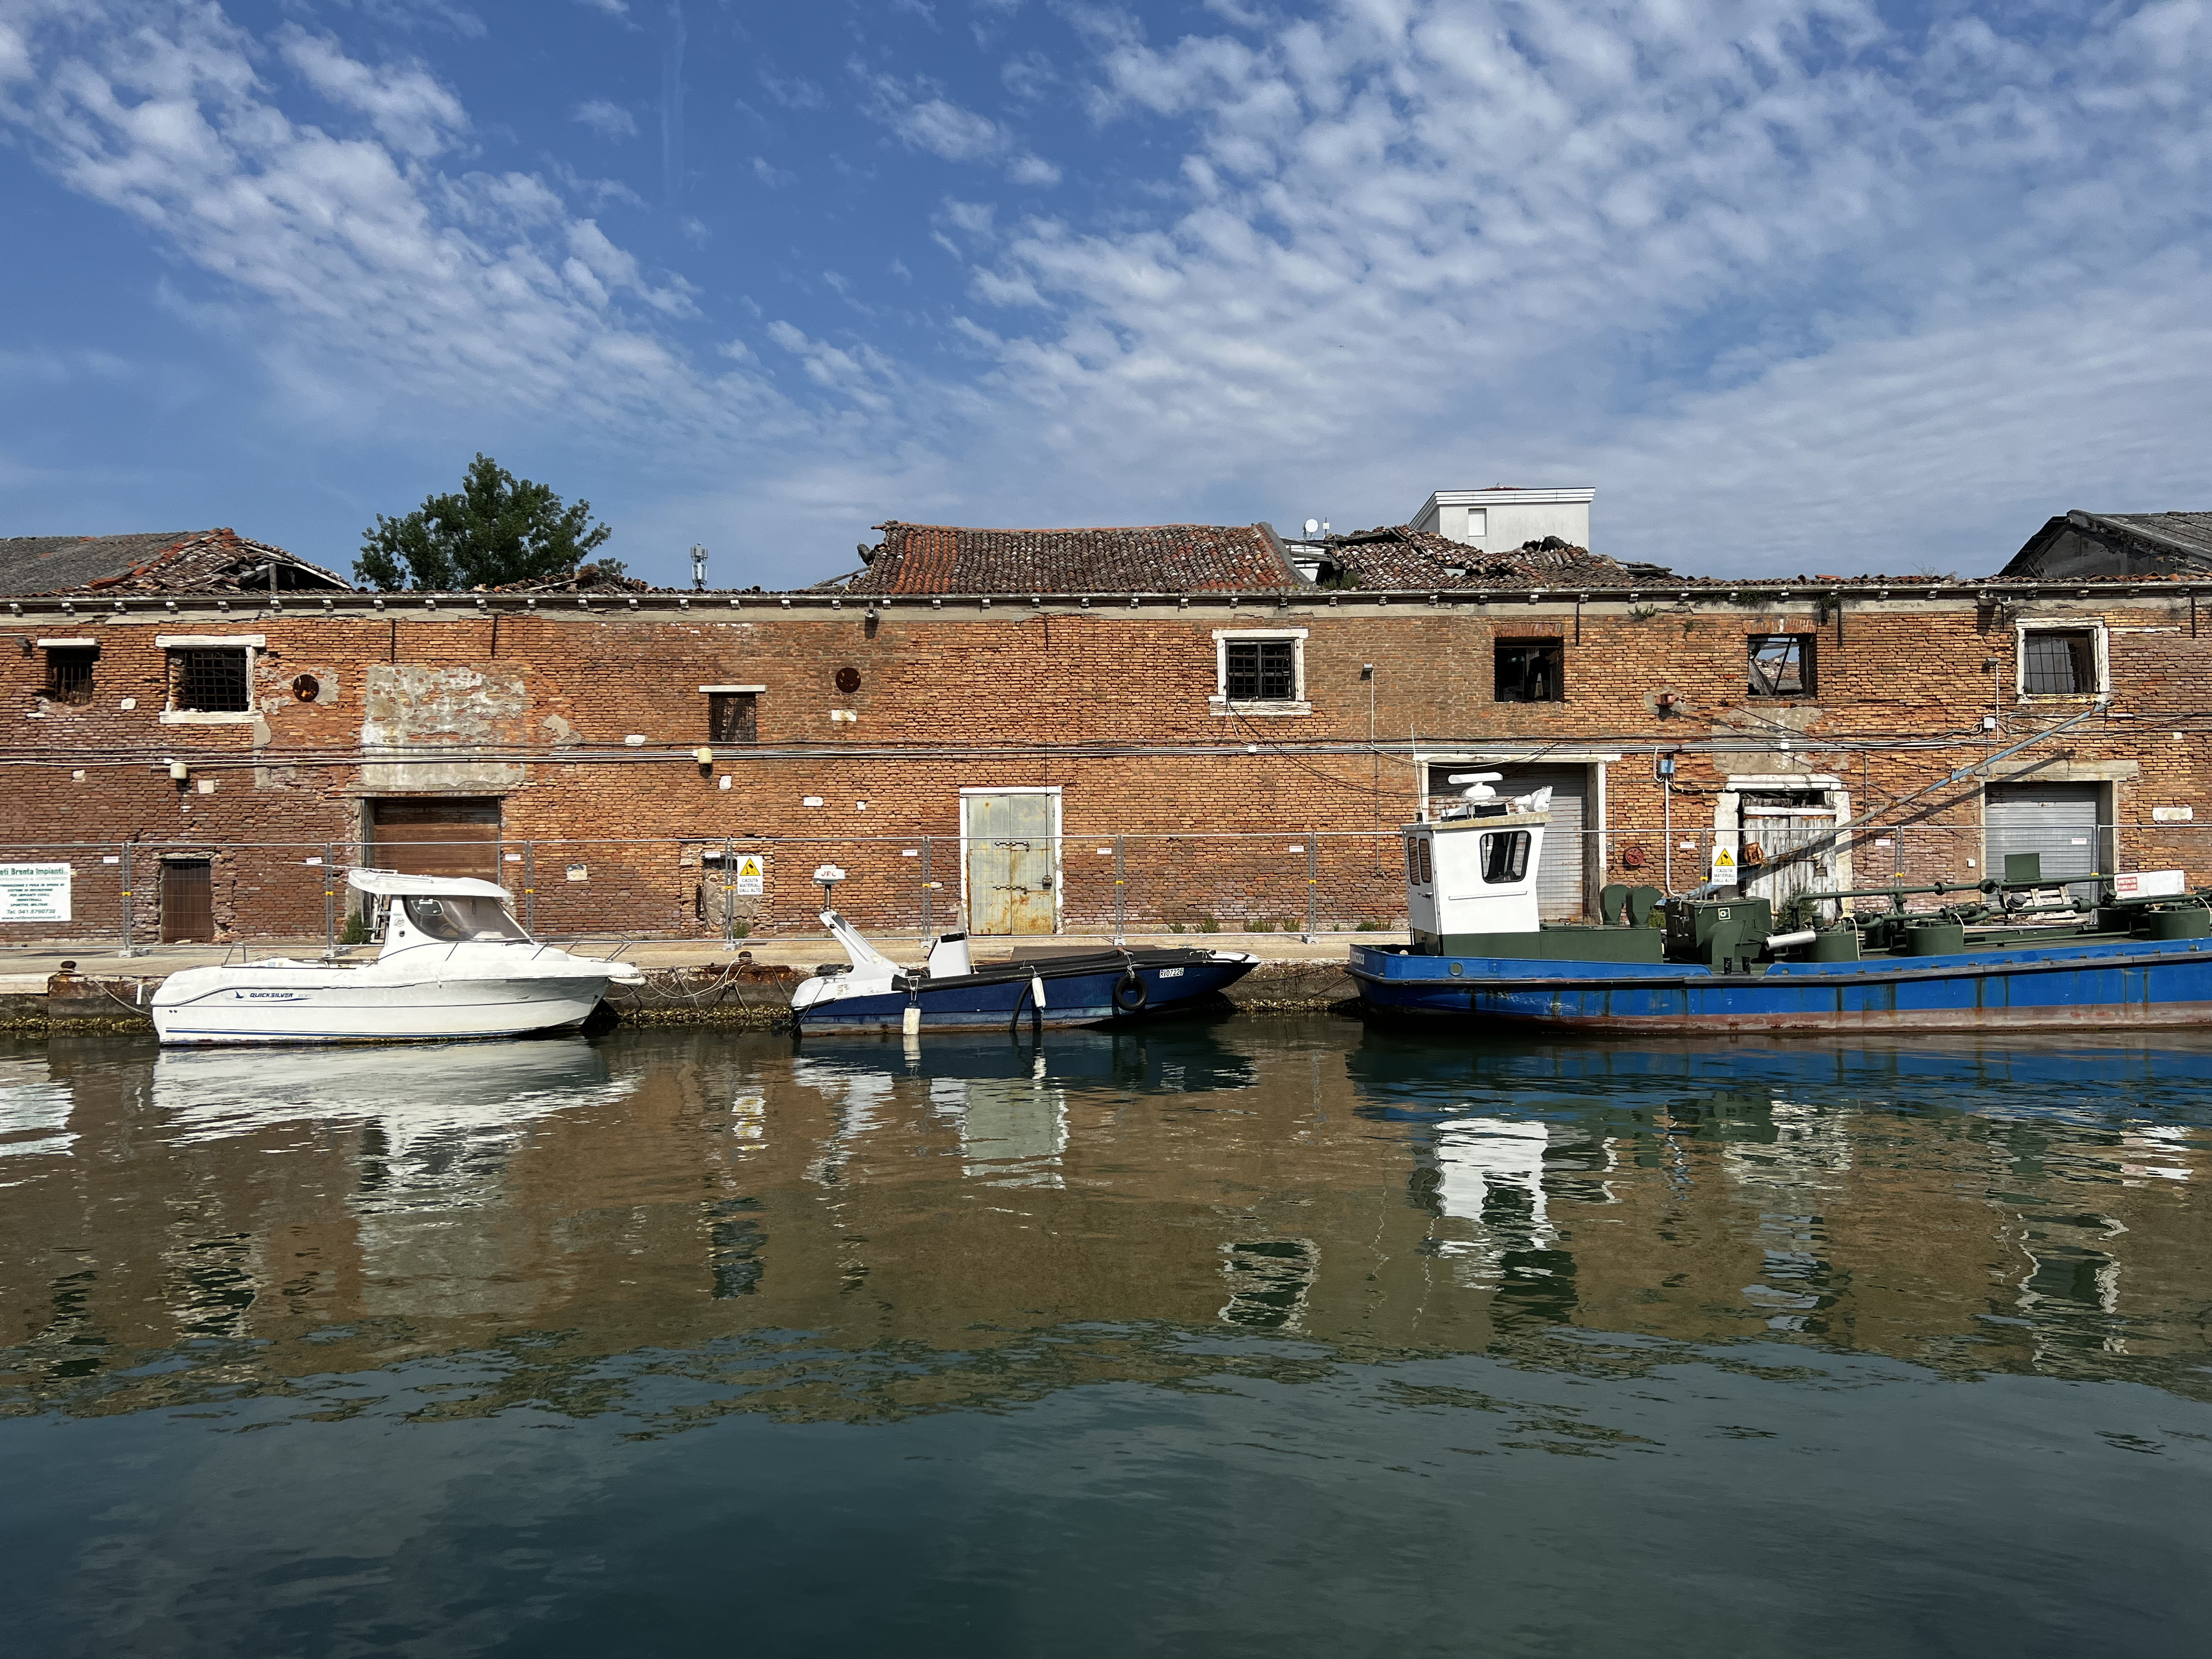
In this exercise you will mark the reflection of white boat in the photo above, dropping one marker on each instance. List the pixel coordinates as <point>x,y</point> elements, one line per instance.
<point>455,964</point>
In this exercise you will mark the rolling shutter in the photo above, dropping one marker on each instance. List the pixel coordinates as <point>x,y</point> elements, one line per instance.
<point>435,837</point>
<point>2056,820</point>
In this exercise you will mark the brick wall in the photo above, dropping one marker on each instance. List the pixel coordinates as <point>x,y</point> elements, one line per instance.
<point>1109,703</point>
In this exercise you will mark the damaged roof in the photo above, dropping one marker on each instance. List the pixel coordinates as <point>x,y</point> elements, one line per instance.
<point>162,561</point>
<point>1399,557</point>
<point>2089,545</point>
<point>1165,558</point>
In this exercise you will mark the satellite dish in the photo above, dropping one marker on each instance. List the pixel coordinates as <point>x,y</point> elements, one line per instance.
<point>1313,527</point>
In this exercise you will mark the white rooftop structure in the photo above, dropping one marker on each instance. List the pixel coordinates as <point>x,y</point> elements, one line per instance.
<point>1501,517</point>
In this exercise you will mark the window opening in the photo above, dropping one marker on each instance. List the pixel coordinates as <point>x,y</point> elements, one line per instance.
<point>2060,662</point>
<point>461,919</point>
<point>211,680</point>
<point>1262,670</point>
<point>1531,670</point>
<point>68,672</point>
<point>1781,665</point>
<point>1412,860</point>
<point>1428,868</point>
<point>733,717</point>
<point>1504,856</point>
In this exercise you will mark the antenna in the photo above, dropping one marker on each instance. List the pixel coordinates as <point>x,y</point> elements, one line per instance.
<point>1313,528</point>
<point>698,567</point>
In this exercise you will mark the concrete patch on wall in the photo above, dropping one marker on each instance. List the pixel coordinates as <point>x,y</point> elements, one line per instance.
<point>413,706</point>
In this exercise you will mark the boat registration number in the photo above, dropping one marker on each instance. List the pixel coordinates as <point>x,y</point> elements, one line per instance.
<point>1170,973</point>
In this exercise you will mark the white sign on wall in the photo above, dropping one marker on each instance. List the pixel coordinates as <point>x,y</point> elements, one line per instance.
<point>751,878</point>
<point>2150,884</point>
<point>34,892</point>
<point>2173,815</point>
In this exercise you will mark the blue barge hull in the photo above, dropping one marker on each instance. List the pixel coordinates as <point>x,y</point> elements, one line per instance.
<point>1090,990</point>
<point>2102,983</point>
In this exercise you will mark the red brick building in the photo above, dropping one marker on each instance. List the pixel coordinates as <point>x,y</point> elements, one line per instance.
<point>1200,723</point>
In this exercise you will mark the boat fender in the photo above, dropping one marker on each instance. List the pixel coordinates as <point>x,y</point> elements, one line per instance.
<point>1037,989</point>
<point>1131,994</point>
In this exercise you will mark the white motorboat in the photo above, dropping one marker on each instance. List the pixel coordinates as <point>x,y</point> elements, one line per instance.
<point>454,963</point>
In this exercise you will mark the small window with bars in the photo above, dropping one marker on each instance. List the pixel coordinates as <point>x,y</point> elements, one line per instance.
<point>1780,666</point>
<point>68,672</point>
<point>1260,671</point>
<point>2058,662</point>
<point>733,717</point>
<point>210,680</point>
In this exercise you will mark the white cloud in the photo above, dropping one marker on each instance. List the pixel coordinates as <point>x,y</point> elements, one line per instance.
<point>920,115</point>
<point>610,120</point>
<point>1420,242</point>
<point>473,290</point>
<point>407,107</point>
<point>611,7</point>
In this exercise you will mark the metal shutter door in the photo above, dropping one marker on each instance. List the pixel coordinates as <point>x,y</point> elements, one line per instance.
<point>2057,820</point>
<point>437,837</point>
<point>1559,877</point>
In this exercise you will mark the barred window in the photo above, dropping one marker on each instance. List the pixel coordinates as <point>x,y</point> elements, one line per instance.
<point>2059,662</point>
<point>209,680</point>
<point>1781,665</point>
<point>733,717</point>
<point>1262,670</point>
<point>68,672</point>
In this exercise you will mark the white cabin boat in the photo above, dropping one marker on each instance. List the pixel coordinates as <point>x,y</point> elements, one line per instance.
<point>454,963</point>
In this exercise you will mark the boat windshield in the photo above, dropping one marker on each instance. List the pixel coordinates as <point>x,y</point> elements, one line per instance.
<point>462,919</point>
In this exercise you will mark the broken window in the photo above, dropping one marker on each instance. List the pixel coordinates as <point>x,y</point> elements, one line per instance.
<point>1781,665</point>
<point>2058,662</point>
<point>209,680</point>
<point>68,672</point>
<point>1504,856</point>
<point>733,717</point>
<point>1260,671</point>
<point>1531,670</point>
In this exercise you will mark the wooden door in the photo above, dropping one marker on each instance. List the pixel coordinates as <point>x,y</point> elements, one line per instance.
<point>448,837</point>
<point>1012,864</point>
<point>187,900</point>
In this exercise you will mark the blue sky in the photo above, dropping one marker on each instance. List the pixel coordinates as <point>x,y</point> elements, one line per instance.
<point>1797,287</point>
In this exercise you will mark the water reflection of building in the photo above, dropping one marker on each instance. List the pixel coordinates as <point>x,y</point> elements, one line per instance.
<point>679,1189</point>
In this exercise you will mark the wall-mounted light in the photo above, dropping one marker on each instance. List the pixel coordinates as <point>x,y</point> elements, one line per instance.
<point>1367,670</point>
<point>705,757</point>
<point>179,774</point>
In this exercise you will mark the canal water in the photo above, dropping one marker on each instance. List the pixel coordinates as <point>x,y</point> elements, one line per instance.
<point>1269,1337</point>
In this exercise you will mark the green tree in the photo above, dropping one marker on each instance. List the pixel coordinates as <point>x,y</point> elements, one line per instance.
<point>498,529</point>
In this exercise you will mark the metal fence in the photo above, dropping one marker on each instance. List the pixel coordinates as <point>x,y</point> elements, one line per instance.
<point>131,895</point>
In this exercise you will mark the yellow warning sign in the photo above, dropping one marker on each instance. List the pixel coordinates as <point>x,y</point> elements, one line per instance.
<point>749,873</point>
<point>1723,863</point>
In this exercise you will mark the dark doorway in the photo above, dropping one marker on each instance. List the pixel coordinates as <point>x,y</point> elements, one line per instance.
<point>187,900</point>
<point>445,837</point>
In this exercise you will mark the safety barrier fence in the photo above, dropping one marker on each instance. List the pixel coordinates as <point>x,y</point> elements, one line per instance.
<point>131,895</point>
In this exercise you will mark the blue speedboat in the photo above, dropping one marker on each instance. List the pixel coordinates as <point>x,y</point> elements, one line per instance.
<point>1993,959</point>
<point>952,993</point>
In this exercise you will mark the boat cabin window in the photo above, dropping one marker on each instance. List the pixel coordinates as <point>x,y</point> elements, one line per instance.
<point>1531,670</point>
<point>1412,860</point>
<point>1504,856</point>
<point>461,919</point>
<point>1428,868</point>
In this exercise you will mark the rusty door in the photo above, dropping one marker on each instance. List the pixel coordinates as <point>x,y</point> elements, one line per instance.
<point>1012,864</point>
<point>187,900</point>
<point>436,836</point>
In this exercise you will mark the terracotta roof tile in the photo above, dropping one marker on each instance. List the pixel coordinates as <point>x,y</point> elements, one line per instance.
<point>1169,558</point>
